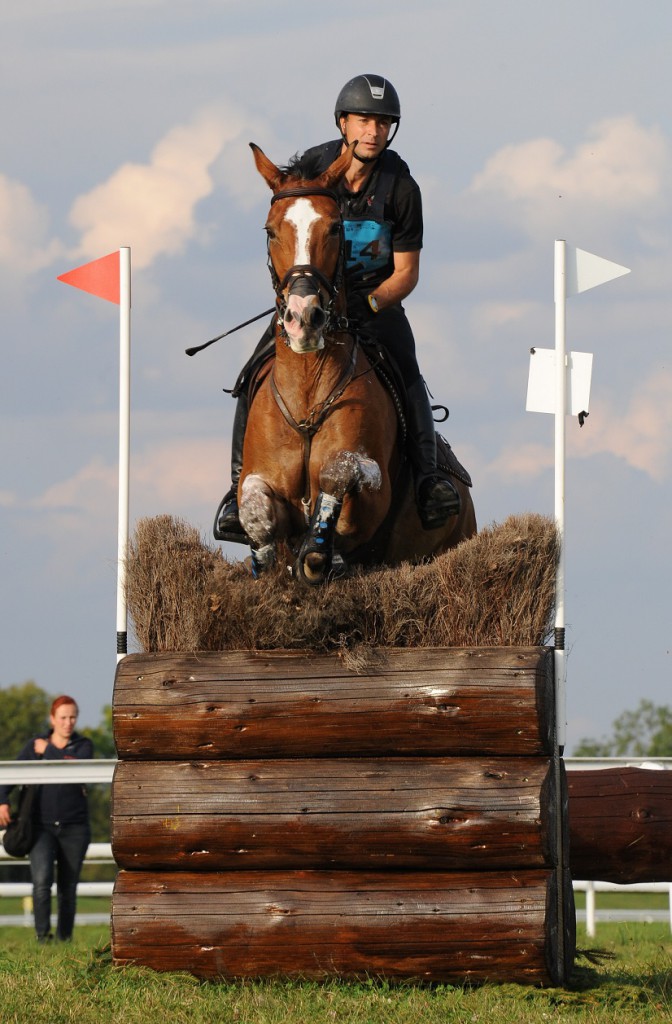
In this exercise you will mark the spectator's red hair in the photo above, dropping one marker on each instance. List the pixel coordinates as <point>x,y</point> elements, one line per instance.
<point>60,701</point>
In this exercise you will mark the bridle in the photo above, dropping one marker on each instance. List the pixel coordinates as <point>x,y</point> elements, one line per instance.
<point>308,427</point>
<point>308,272</point>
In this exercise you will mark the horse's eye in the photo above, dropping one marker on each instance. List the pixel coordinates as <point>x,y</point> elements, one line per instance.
<point>335,228</point>
<point>270,234</point>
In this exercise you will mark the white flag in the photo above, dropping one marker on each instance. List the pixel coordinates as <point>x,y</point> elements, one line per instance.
<point>584,270</point>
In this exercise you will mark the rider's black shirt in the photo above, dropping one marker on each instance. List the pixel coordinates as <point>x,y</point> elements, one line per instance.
<point>391,196</point>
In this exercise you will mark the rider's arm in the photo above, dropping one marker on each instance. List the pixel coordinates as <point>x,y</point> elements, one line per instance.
<point>401,281</point>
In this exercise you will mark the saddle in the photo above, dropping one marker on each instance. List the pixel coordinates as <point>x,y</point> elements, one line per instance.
<point>391,378</point>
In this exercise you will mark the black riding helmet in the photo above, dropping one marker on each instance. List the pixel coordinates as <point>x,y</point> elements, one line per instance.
<point>369,94</point>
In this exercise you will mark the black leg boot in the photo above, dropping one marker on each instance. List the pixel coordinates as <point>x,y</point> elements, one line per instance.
<point>227,524</point>
<point>435,495</point>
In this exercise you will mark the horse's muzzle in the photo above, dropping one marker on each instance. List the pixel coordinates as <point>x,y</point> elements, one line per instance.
<point>304,320</point>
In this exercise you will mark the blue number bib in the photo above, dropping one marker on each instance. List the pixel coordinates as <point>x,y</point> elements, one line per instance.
<point>368,247</point>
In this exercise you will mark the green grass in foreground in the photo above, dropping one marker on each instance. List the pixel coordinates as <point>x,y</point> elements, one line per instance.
<point>630,981</point>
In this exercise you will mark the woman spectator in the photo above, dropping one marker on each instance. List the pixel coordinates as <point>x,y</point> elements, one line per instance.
<point>61,819</point>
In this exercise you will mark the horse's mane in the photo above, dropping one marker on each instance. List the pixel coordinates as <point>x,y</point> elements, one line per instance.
<point>303,167</point>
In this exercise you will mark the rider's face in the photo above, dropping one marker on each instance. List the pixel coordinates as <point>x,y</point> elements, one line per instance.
<point>370,132</point>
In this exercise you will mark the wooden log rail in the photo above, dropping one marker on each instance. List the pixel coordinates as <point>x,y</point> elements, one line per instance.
<point>413,813</point>
<point>248,704</point>
<point>315,925</point>
<point>620,825</point>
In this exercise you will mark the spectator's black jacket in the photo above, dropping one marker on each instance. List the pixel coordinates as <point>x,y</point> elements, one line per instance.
<point>58,802</point>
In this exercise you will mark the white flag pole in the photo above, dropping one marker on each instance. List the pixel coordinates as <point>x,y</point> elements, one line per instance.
<point>560,295</point>
<point>124,444</point>
<point>555,377</point>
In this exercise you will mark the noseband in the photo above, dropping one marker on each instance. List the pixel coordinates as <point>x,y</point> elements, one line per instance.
<point>306,272</point>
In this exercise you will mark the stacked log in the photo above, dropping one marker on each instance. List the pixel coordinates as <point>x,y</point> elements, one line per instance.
<point>275,813</point>
<point>620,825</point>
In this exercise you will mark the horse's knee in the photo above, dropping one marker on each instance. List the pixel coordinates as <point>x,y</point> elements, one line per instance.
<point>257,514</point>
<point>348,472</point>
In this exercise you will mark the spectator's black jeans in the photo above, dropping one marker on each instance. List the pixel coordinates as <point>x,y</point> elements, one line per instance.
<point>65,846</point>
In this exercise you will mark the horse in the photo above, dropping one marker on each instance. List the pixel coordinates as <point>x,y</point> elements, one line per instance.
<point>322,462</point>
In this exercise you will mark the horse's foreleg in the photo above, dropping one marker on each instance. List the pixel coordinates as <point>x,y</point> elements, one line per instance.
<point>258,519</point>
<point>344,473</point>
<point>316,554</point>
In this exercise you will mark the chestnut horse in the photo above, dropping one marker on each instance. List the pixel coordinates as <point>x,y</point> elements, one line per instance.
<point>321,453</point>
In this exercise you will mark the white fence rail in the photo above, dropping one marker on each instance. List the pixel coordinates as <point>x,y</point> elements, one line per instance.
<point>591,888</point>
<point>101,771</point>
<point>40,773</point>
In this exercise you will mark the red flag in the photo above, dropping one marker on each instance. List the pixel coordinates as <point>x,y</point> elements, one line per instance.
<point>101,277</point>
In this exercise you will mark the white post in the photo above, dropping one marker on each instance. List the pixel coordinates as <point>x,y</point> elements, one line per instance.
<point>560,295</point>
<point>590,910</point>
<point>124,443</point>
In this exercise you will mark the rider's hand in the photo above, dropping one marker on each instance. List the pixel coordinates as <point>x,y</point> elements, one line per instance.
<point>358,307</point>
<point>5,816</point>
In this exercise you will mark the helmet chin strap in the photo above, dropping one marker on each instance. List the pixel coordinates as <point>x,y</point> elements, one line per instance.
<point>365,159</point>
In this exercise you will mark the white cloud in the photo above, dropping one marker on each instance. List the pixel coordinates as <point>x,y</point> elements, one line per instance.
<point>613,187</point>
<point>641,433</point>
<point>25,246</point>
<point>520,462</point>
<point>178,475</point>
<point>88,491</point>
<point>491,316</point>
<point>151,207</point>
<point>172,476</point>
<point>621,164</point>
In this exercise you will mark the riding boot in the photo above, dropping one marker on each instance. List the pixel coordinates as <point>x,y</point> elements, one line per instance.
<point>435,495</point>
<point>227,524</point>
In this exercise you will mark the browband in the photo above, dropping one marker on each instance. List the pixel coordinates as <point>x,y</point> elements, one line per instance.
<point>290,193</point>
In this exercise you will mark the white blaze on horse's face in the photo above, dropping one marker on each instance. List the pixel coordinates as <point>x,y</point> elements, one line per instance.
<point>303,327</point>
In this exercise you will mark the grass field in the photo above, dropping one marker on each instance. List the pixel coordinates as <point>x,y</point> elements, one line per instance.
<point>629,980</point>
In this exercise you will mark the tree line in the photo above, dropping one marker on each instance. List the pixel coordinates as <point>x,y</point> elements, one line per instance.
<point>644,732</point>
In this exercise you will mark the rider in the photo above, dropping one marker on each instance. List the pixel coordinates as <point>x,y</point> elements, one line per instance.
<point>382,216</point>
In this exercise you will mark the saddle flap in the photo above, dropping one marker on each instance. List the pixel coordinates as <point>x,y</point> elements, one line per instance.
<point>448,461</point>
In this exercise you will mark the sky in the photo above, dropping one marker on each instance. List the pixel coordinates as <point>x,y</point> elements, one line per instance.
<point>127,123</point>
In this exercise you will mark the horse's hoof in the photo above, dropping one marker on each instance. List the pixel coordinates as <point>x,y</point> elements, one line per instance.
<point>312,568</point>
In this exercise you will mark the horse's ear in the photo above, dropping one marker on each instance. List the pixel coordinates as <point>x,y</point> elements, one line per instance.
<point>267,169</point>
<point>335,171</point>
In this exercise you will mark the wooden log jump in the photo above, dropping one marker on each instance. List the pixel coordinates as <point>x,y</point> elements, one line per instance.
<point>277,813</point>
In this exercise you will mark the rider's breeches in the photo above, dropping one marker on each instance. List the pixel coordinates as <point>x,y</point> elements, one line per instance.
<point>393,330</point>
